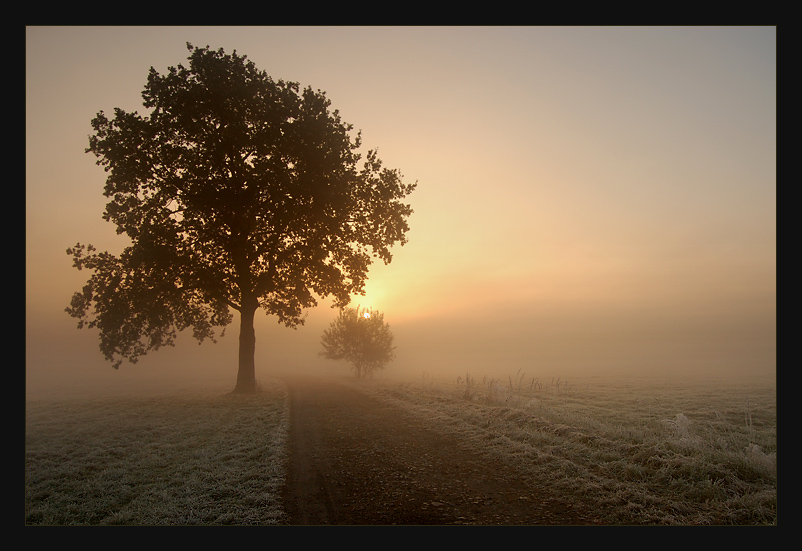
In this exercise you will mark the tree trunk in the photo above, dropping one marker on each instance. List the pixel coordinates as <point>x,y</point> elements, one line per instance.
<point>246,375</point>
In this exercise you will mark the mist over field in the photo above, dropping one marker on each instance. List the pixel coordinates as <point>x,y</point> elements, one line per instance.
<point>679,450</point>
<point>439,348</point>
<point>593,203</point>
<point>588,291</point>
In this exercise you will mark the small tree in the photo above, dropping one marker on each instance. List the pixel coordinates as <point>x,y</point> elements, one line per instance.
<point>361,337</point>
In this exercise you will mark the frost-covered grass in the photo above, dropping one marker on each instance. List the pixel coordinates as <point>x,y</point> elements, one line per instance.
<point>670,452</point>
<point>191,458</point>
<point>665,453</point>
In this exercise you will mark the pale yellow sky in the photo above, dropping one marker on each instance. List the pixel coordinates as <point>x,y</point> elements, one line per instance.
<point>588,198</point>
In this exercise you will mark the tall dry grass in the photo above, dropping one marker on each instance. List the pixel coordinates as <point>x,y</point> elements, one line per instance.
<point>199,458</point>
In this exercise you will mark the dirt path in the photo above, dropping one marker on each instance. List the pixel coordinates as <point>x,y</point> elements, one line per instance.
<point>358,461</point>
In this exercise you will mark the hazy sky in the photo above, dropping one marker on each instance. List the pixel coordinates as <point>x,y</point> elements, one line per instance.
<point>588,197</point>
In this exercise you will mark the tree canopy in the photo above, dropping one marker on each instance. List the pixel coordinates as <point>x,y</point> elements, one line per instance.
<point>359,336</point>
<point>238,192</point>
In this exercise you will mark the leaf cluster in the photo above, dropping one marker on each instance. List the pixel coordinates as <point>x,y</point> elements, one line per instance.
<point>140,305</point>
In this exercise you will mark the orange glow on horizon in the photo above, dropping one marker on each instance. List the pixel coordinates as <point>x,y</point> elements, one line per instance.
<point>610,205</point>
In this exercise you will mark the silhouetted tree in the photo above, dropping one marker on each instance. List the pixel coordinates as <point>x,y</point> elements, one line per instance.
<point>237,192</point>
<point>360,337</point>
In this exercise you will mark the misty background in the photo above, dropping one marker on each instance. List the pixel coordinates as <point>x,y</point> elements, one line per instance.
<point>591,201</point>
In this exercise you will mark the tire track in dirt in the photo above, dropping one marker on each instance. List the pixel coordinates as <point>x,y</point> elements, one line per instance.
<point>355,460</point>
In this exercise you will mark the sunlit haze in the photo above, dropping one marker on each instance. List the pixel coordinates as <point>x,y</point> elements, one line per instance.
<point>591,201</point>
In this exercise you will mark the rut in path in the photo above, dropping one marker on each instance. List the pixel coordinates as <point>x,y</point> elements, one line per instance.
<point>357,461</point>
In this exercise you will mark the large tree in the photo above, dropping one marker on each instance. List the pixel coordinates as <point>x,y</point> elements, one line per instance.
<point>236,191</point>
<point>360,337</point>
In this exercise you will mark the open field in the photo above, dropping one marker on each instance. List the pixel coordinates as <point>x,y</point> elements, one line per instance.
<point>194,458</point>
<point>680,452</point>
<point>658,452</point>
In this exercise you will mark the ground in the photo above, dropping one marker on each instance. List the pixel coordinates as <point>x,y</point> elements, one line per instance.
<point>356,460</point>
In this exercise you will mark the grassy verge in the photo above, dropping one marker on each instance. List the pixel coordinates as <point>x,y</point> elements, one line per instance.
<point>667,454</point>
<point>200,458</point>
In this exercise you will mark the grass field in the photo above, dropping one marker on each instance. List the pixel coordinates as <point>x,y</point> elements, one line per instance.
<point>651,452</point>
<point>667,453</point>
<point>194,458</point>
